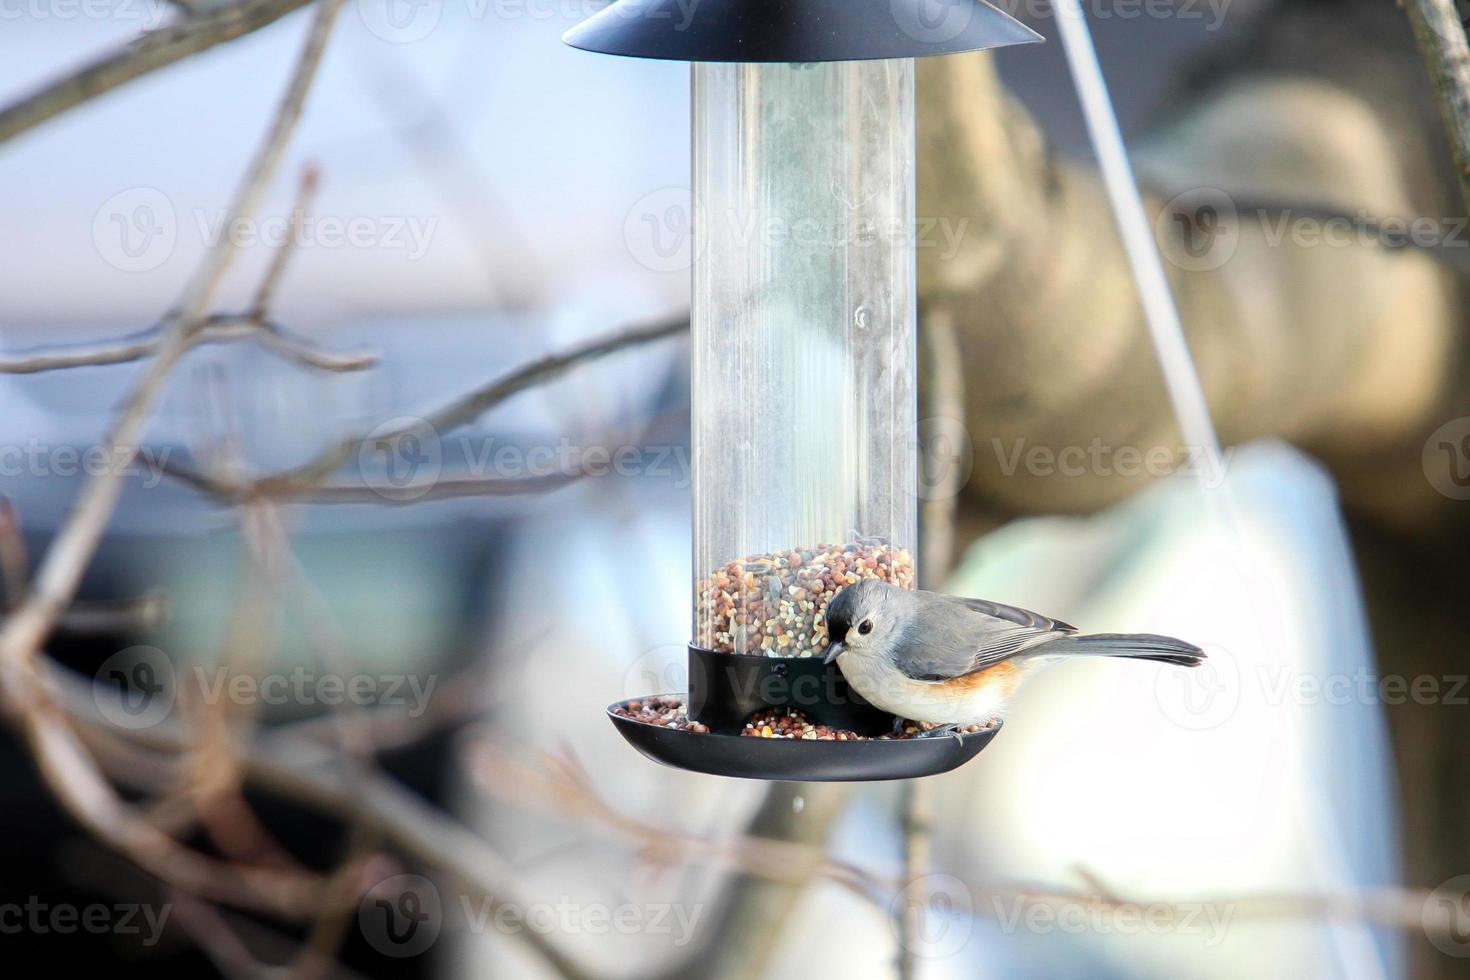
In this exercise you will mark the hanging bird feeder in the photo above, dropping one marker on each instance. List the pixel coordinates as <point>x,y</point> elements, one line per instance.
<point>804,365</point>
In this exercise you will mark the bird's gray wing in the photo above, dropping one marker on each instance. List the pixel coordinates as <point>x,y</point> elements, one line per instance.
<point>1014,614</point>
<point>953,636</point>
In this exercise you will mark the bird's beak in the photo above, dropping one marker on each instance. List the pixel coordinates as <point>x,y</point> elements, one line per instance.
<point>833,652</point>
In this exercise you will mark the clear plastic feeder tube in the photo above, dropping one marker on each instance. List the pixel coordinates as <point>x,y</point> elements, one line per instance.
<point>804,352</point>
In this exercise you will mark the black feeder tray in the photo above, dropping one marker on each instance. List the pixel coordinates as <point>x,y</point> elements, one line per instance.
<point>725,689</point>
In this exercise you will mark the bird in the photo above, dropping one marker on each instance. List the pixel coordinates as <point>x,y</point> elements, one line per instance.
<point>954,662</point>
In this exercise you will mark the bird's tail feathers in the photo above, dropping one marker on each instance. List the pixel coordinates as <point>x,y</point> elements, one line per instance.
<point>1138,646</point>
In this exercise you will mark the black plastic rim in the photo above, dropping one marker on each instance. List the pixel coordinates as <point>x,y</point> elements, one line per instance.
<point>796,30</point>
<point>800,760</point>
<point>727,688</point>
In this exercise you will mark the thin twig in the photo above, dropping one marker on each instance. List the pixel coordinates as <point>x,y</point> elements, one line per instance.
<point>305,193</point>
<point>945,445</point>
<point>14,561</point>
<point>140,614</point>
<point>942,456</point>
<point>110,616</point>
<point>120,351</point>
<point>442,488</point>
<point>917,809</point>
<point>1446,54</point>
<point>219,328</point>
<point>154,50</point>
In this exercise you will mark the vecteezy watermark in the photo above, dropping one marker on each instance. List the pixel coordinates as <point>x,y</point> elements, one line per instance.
<point>137,688</point>
<point>1200,229</point>
<point>658,229</point>
<point>135,230</point>
<point>941,910</point>
<point>1203,697</point>
<point>144,14</point>
<point>404,459</point>
<point>937,22</point>
<point>404,916</point>
<point>401,916</point>
<point>946,455</point>
<point>1100,459</point>
<point>662,669</point>
<point>1445,916</point>
<point>407,21</point>
<point>37,917</point>
<point>1211,12</point>
<point>1207,696</point>
<point>39,459</point>
<point>1446,459</point>
<point>134,688</point>
<point>407,233</point>
<point>138,230</point>
<point>932,21</point>
<point>1282,684</point>
<point>1103,917</point>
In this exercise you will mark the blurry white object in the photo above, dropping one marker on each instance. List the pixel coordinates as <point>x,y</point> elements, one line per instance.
<point>1266,772</point>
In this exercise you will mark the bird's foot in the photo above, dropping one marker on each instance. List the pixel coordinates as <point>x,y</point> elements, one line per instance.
<point>955,730</point>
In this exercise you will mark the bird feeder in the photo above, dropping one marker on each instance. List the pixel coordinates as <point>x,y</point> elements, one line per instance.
<point>804,363</point>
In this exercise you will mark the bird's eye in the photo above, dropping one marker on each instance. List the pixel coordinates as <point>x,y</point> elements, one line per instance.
<point>865,627</point>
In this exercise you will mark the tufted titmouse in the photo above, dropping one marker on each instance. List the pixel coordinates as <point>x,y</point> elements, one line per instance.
<point>952,661</point>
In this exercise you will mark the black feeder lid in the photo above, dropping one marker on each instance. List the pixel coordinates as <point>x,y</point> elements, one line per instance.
<point>795,30</point>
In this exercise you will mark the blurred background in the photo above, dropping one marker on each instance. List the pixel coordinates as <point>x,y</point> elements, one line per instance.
<point>391,688</point>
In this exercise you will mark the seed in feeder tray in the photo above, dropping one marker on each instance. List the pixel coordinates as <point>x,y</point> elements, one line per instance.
<point>791,723</point>
<point>775,604</point>
<point>788,723</point>
<point>661,712</point>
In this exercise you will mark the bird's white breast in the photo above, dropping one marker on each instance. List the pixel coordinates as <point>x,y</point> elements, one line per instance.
<point>940,703</point>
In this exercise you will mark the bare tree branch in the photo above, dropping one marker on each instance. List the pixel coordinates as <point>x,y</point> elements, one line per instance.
<point>1446,53</point>
<point>306,481</point>
<point>308,772</point>
<point>154,50</point>
<point>142,613</point>
<point>266,291</point>
<point>113,352</point>
<point>61,571</point>
<point>64,762</point>
<point>219,328</point>
<point>442,488</point>
<point>14,560</point>
<point>435,487</point>
<point>916,816</point>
